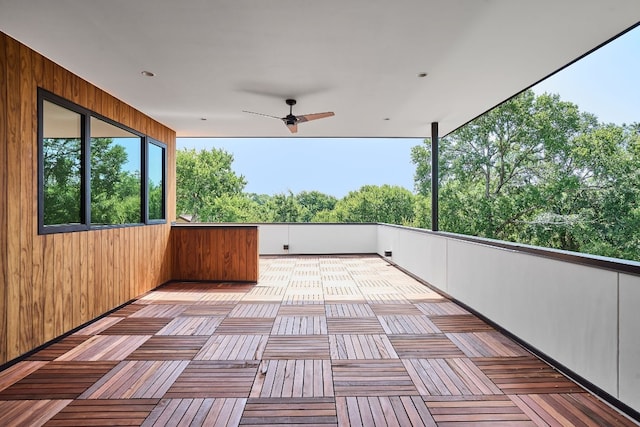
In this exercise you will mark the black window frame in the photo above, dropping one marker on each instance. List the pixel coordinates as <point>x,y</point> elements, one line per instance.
<point>148,142</point>
<point>85,174</point>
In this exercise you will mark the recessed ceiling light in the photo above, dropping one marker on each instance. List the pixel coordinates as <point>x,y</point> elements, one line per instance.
<point>421,75</point>
<point>386,119</point>
<point>204,119</point>
<point>147,73</point>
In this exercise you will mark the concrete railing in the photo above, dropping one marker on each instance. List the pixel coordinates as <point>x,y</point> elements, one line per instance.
<point>579,310</point>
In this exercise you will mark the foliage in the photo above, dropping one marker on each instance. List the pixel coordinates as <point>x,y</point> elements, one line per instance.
<point>371,203</point>
<point>536,170</point>
<point>203,177</point>
<point>62,180</point>
<point>115,192</point>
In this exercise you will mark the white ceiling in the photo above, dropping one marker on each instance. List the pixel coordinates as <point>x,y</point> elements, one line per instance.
<point>358,58</point>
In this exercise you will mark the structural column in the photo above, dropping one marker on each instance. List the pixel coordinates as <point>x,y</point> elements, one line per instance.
<point>434,176</point>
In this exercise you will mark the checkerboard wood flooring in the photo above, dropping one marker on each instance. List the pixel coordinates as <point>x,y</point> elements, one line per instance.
<point>323,341</point>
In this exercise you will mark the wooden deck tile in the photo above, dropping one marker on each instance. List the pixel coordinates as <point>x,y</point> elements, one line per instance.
<point>212,412</point>
<point>59,348</point>
<point>385,298</point>
<point>460,323</point>
<point>317,298</point>
<point>245,325</point>
<point>395,309</point>
<point>349,310</point>
<point>383,410</point>
<point>99,325</point>
<point>527,374</point>
<point>137,326</point>
<point>105,347</point>
<point>578,409</point>
<point>169,348</point>
<point>345,299</point>
<point>361,347</point>
<point>116,412</point>
<point>29,412</point>
<point>290,411</point>
<point>233,347</point>
<point>297,347</point>
<point>57,380</point>
<point>300,325</point>
<point>300,283</point>
<point>127,310</point>
<point>206,310</point>
<point>160,310</point>
<point>424,346</point>
<point>440,308</point>
<point>347,325</point>
<point>486,344</point>
<point>403,324</point>
<point>136,380</point>
<point>15,373</point>
<point>293,378</point>
<point>205,379</point>
<point>191,325</point>
<point>301,310</point>
<point>255,310</point>
<point>371,378</point>
<point>488,411</point>
<point>449,377</point>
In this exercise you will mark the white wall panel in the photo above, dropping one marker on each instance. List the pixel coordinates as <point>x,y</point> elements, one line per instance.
<point>271,237</point>
<point>630,340</point>
<point>423,254</point>
<point>565,310</point>
<point>332,238</point>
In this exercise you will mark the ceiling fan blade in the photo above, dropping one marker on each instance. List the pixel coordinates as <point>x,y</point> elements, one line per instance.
<point>316,116</point>
<point>293,128</point>
<point>260,114</point>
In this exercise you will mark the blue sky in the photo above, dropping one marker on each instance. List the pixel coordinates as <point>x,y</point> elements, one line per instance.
<point>604,83</point>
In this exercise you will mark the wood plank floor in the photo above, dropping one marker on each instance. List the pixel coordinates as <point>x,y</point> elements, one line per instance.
<point>324,341</point>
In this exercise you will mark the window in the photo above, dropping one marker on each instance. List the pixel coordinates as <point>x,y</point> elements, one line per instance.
<point>94,172</point>
<point>156,172</point>
<point>61,153</point>
<point>116,188</point>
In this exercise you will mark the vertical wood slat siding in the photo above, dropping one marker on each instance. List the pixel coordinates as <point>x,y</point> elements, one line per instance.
<point>50,284</point>
<point>215,253</point>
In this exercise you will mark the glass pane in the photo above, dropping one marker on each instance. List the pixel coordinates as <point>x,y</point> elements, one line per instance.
<point>156,182</point>
<point>62,172</point>
<point>115,174</point>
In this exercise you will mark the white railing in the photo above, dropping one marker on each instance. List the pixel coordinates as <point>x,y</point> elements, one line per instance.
<point>579,311</point>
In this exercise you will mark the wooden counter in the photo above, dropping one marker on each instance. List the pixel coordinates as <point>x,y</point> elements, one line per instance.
<point>215,252</point>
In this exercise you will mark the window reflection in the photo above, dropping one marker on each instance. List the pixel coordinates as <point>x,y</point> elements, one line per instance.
<point>155,184</point>
<point>115,174</point>
<point>62,165</point>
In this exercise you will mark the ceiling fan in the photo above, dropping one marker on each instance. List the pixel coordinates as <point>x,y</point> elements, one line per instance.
<point>292,121</point>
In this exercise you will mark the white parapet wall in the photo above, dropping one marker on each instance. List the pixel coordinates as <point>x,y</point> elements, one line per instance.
<point>584,316</point>
<point>311,238</point>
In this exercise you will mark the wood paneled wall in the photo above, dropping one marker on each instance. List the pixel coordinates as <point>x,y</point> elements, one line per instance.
<point>215,252</point>
<point>50,284</point>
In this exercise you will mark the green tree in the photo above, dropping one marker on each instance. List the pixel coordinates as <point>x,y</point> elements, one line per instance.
<point>537,170</point>
<point>203,177</point>
<point>283,208</point>
<point>372,203</point>
<point>62,181</point>
<point>313,202</point>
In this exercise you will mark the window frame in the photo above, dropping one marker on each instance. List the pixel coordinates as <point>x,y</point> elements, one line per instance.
<point>148,142</point>
<point>85,173</point>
